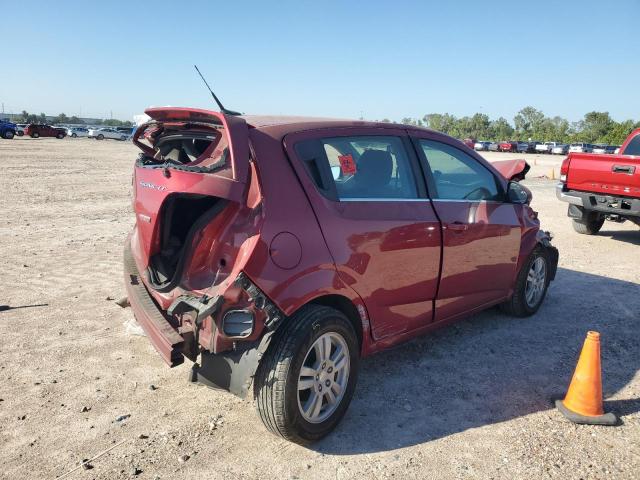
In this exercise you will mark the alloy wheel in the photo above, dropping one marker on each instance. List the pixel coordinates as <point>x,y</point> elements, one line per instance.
<point>323,377</point>
<point>536,282</point>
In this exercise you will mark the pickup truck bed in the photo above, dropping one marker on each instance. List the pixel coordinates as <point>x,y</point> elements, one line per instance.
<point>602,187</point>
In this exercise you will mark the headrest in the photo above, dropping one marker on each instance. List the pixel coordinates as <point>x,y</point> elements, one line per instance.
<point>374,168</point>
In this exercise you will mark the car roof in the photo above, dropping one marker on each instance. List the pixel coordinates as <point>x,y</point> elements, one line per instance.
<point>282,125</point>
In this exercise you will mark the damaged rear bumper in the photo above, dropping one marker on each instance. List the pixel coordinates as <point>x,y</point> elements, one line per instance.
<point>231,370</point>
<point>164,338</point>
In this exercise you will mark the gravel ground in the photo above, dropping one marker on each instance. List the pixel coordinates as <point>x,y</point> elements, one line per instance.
<point>468,401</point>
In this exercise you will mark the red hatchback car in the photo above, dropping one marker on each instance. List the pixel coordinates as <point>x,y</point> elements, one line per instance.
<point>276,251</point>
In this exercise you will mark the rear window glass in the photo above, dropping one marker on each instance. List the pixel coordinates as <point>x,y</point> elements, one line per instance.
<point>189,147</point>
<point>633,148</point>
<point>359,167</point>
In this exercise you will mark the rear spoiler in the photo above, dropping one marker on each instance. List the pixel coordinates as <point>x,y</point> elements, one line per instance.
<point>235,127</point>
<point>512,170</point>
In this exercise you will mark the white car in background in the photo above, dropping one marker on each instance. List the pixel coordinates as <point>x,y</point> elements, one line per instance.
<point>75,132</point>
<point>580,147</point>
<point>102,133</point>
<point>20,129</point>
<point>560,149</point>
<point>481,146</point>
<point>545,147</point>
<point>600,148</point>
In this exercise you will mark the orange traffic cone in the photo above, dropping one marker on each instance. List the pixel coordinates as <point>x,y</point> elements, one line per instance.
<point>583,403</point>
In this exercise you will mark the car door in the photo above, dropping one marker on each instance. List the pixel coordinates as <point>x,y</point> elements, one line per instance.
<point>481,231</point>
<point>369,197</point>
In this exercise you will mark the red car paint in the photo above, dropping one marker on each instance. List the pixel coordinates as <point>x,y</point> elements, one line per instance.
<point>512,169</point>
<point>396,268</point>
<point>607,174</point>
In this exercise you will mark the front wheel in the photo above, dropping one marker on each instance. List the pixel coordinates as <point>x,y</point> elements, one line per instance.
<point>74,135</point>
<point>531,285</point>
<point>9,134</point>
<point>19,133</point>
<point>60,136</point>
<point>589,227</point>
<point>306,379</point>
<point>35,135</point>
<point>100,137</point>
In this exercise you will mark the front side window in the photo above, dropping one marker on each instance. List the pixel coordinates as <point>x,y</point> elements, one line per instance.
<point>458,176</point>
<point>360,167</point>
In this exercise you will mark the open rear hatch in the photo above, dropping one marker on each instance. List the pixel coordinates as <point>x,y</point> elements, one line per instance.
<point>194,164</point>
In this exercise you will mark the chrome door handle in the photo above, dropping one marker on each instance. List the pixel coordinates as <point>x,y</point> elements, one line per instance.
<point>458,227</point>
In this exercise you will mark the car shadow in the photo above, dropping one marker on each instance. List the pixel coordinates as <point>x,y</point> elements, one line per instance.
<point>492,368</point>
<point>627,236</point>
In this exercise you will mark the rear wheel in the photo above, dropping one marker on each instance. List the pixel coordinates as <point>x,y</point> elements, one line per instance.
<point>20,133</point>
<point>531,285</point>
<point>100,137</point>
<point>589,227</point>
<point>123,138</point>
<point>9,134</point>
<point>74,135</point>
<point>60,136</point>
<point>306,379</point>
<point>35,135</point>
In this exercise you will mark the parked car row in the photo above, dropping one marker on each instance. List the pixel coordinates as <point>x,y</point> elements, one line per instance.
<point>35,130</point>
<point>555,148</point>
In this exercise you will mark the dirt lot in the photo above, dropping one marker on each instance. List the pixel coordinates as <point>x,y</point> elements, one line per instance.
<point>470,401</point>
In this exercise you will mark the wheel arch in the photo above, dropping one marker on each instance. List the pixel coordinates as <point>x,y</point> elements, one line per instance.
<point>345,306</point>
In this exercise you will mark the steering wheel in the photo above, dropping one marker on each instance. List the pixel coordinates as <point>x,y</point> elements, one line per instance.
<point>479,193</point>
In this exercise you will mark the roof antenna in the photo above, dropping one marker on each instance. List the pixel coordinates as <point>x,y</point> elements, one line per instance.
<point>220,106</point>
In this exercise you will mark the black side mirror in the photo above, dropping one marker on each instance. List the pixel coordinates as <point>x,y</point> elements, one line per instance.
<point>519,193</point>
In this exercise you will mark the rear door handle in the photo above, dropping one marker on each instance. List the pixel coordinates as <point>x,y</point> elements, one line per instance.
<point>458,227</point>
<point>628,169</point>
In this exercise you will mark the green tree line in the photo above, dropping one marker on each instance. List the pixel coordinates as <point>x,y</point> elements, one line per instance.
<point>26,117</point>
<point>530,124</point>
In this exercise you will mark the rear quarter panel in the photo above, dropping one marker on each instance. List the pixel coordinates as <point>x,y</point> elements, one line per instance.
<point>309,271</point>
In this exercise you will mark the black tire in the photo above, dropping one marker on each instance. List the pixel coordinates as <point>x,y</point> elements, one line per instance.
<point>123,138</point>
<point>9,134</point>
<point>74,135</point>
<point>100,137</point>
<point>19,133</point>
<point>517,305</point>
<point>276,382</point>
<point>35,135</point>
<point>589,227</point>
<point>60,136</point>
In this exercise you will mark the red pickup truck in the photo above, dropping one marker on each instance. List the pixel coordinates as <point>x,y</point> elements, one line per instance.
<point>602,187</point>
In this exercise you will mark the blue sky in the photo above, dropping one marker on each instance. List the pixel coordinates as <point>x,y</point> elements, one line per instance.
<point>343,59</point>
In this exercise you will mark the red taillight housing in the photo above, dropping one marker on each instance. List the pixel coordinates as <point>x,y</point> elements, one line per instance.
<point>564,170</point>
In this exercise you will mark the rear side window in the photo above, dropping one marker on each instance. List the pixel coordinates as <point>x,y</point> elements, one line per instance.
<point>359,167</point>
<point>633,148</point>
<point>458,176</point>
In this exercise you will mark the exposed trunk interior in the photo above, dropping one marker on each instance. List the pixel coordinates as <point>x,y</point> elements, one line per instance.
<point>181,216</point>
